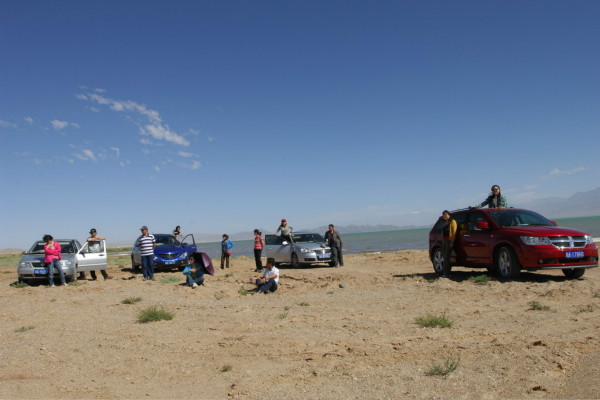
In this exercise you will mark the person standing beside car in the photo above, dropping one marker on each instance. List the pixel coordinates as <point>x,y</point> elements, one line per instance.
<point>494,200</point>
<point>285,229</point>
<point>259,245</point>
<point>226,246</point>
<point>334,241</point>
<point>94,246</point>
<point>146,244</point>
<point>52,257</point>
<point>448,236</point>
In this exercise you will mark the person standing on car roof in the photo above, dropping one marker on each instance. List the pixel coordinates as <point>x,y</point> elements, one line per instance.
<point>146,244</point>
<point>448,236</point>
<point>94,247</point>
<point>495,199</point>
<point>285,229</point>
<point>334,241</point>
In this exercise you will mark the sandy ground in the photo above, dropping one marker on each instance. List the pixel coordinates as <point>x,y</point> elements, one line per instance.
<point>326,333</point>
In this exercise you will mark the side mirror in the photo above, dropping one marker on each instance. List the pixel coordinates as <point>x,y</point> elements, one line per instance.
<point>24,253</point>
<point>482,225</point>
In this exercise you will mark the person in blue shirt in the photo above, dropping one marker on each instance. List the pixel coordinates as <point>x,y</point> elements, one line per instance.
<point>194,273</point>
<point>226,246</point>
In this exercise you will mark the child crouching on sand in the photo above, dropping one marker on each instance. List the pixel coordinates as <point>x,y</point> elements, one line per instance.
<point>270,279</point>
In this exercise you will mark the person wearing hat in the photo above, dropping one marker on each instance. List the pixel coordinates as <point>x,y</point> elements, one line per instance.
<point>285,229</point>
<point>94,247</point>
<point>146,243</point>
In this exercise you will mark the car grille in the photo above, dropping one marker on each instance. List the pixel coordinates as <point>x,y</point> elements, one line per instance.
<point>38,264</point>
<point>571,242</point>
<point>320,251</point>
<point>168,256</point>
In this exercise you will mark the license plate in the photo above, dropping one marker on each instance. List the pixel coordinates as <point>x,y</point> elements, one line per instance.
<point>169,262</point>
<point>40,272</point>
<point>322,256</point>
<point>574,254</point>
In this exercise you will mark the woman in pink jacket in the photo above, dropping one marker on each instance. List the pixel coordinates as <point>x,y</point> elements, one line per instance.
<point>52,250</point>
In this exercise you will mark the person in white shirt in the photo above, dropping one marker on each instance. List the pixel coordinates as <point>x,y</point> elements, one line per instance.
<point>270,279</point>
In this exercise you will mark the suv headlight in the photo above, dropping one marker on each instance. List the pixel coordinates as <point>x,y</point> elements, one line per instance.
<point>183,255</point>
<point>535,240</point>
<point>305,250</point>
<point>25,264</point>
<point>589,239</point>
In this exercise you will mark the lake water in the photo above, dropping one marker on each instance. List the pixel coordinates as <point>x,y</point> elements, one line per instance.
<point>371,242</point>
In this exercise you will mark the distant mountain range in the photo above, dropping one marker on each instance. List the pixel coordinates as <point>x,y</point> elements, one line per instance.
<point>581,204</point>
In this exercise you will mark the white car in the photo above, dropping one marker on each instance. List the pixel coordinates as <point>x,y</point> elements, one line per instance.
<point>305,248</point>
<point>75,258</point>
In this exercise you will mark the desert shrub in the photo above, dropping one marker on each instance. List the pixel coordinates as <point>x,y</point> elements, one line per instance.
<point>535,305</point>
<point>154,314</point>
<point>448,367</point>
<point>24,328</point>
<point>480,279</point>
<point>131,300</point>
<point>431,321</point>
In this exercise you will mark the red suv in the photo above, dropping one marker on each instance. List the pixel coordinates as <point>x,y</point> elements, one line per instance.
<point>506,240</point>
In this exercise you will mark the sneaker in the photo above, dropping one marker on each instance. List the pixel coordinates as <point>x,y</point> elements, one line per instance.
<point>194,286</point>
<point>152,279</point>
<point>108,277</point>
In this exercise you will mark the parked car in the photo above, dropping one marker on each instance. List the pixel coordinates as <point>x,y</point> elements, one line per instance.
<point>75,258</point>
<point>169,252</point>
<point>304,249</point>
<point>505,241</point>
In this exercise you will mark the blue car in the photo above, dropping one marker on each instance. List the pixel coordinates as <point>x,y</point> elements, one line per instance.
<point>169,253</point>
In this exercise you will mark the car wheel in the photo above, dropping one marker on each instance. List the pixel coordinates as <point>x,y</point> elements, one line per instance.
<point>134,267</point>
<point>295,262</point>
<point>507,263</point>
<point>573,273</point>
<point>332,264</point>
<point>438,261</point>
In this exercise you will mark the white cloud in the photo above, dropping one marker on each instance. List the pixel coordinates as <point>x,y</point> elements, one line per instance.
<point>5,124</point>
<point>100,90</point>
<point>117,151</point>
<point>155,128</point>
<point>29,120</point>
<point>145,141</point>
<point>157,168</point>
<point>557,172</point>
<point>162,132</point>
<point>210,138</point>
<point>58,125</point>
<point>87,155</point>
<point>195,165</point>
<point>186,154</point>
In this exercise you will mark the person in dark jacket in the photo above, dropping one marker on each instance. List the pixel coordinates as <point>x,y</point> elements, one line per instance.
<point>334,241</point>
<point>494,200</point>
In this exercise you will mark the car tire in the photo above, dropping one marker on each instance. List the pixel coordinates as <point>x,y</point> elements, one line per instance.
<point>332,264</point>
<point>295,263</point>
<point>437,260</point>
<point>134,267</point>
<point>573,273</point>
<point>507,263</point>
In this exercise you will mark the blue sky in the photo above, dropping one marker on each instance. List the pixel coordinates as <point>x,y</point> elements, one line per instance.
<point>223,116</point>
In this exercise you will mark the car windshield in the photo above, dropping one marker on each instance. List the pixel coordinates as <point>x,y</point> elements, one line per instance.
<point>65,247</point>
<point>166,240</point>
<point>307,238</point>
<point>518,218</point>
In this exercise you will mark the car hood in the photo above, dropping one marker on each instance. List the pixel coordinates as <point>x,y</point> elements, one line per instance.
<point>170,249</point>
<point>534,230</point>
<point>40,257</point>
<point>311,246</point>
